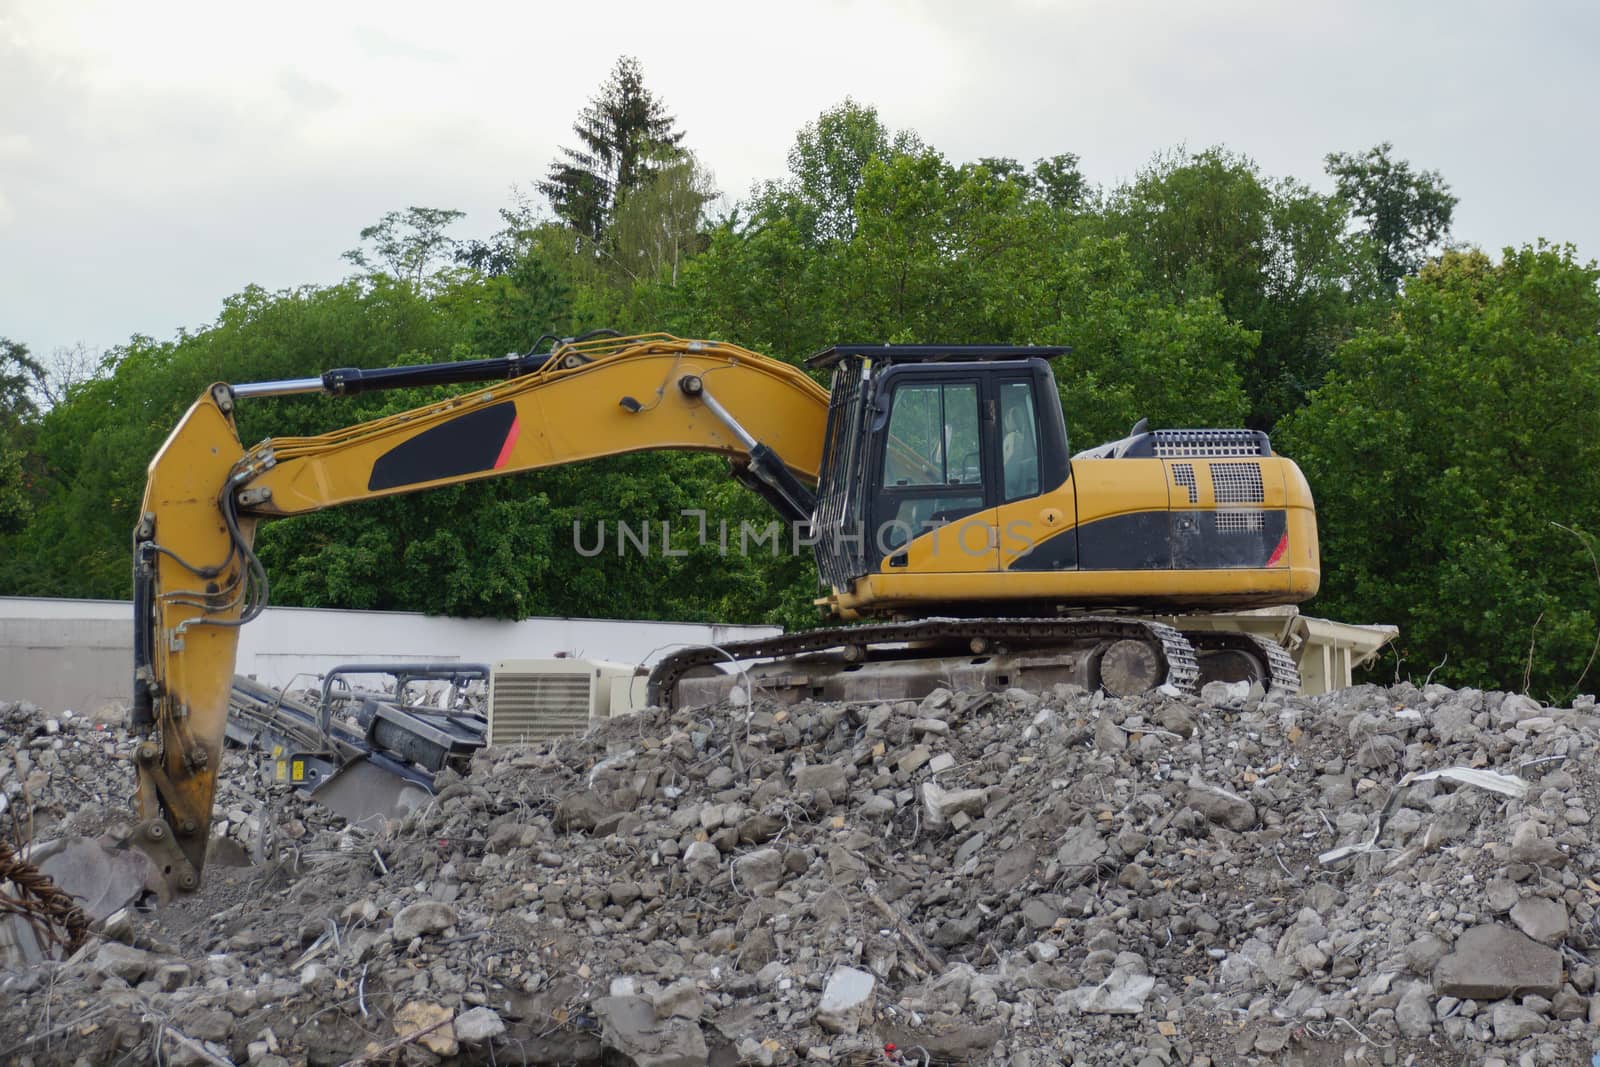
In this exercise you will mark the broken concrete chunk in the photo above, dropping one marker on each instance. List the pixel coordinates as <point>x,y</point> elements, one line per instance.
<point>766,862</point>
<point>1108,736</point>
<point>419,1015</point>
<point>1530,844</point>
<point>171,976</point>
<point>423,918</point>
<point>702,860</point>
<point>1221,806</point>
<point>1512,1022</point>
<point>629,1026</point>
<point>942,805</point>
<point>1122,993</point>
<point>1014,867</point>
<point>682,1000</point>
<point>316,979</point>
<point>760,872</point>
<point>826,778</point>
<point>1414,1013</point>
<point>1223,694</point>
<point>478,1025</point>
<point>581,811</point>
<point>877,808</point>
<point>846,1000</point>
<point>1542,919</point>
<point>1080,853</point>
<point>1495,961</point>
<point>121,961</point>
<point>913,760</point>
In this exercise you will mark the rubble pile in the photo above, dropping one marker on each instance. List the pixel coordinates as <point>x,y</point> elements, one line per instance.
<point>1379,876</point>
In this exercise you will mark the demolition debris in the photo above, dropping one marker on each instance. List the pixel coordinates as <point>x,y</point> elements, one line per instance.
<point>1379,876</point>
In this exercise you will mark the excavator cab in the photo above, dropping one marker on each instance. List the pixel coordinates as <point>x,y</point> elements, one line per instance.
<point>921,437</point>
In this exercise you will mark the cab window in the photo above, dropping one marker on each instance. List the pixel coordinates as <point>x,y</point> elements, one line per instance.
<point>932,460</point>
<point>933,437</point>
<point>1019,441</point>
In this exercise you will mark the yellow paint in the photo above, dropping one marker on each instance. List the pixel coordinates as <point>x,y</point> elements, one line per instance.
<point>938,571</point>
<point>573,414</point>
<point>193,663</point>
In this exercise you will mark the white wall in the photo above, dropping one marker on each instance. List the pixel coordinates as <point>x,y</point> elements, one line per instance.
<point>60,654</point>
<point>79,653</point>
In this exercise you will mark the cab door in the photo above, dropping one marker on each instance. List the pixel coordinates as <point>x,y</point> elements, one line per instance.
<point>933,509</point>
<point>1037,511</point>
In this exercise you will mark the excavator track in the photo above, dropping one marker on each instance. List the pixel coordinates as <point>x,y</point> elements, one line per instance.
<point>1177,655</point>
<point>1282,676</point>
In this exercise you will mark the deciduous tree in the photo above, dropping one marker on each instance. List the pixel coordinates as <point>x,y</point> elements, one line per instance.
<point>827,164</point>
<point>408,245</point>
<point>21,378</point>
<point>1407,213</point>
<point>1448,442</point>
<point>1273,252</point>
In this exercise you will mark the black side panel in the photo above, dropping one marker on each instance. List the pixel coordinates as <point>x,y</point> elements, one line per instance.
<point>1140,541</point>
<point>1198,540</point>
<point>1059,552</point>
<point>1221,540</point>
<point>464,445</point>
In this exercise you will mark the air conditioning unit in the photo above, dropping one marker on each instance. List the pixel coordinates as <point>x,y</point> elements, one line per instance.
<point>538,699</point>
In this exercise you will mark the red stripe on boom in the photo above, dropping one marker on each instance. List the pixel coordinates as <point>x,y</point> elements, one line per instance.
<point>1275,559</point>
<point>511,439</point>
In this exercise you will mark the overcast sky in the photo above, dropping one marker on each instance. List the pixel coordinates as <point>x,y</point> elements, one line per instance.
<point>158,156</point>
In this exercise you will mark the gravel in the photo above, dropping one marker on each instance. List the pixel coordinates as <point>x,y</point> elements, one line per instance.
<point>974,878</point>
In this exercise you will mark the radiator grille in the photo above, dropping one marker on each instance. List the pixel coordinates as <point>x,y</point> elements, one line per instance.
<point>1183,475</point>
<point>1240,522</point>
<point>536,707</point>
<point>1202,443</point>
<point>1236,483</point>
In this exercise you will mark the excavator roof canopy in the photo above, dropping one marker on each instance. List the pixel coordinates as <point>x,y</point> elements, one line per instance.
<point>933,353</point>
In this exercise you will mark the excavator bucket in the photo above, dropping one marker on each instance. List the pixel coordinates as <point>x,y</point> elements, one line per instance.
<point>62,887</point>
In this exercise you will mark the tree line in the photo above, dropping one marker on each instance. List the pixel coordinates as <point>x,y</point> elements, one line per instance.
<point>1439,398</point>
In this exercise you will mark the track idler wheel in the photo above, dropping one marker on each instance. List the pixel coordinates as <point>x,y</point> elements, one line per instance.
<point>1231,665</point>
<point>1129,667</point>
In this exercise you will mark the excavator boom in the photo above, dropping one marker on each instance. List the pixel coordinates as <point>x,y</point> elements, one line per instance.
<point>196,576</point>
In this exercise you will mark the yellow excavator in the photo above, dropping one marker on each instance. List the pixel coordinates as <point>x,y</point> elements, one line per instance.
<point>933,483</point>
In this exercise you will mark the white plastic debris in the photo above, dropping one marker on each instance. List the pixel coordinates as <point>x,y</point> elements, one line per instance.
<point>1504,784</point>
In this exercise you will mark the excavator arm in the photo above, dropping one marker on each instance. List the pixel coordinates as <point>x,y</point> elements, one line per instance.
<point>197,578</point>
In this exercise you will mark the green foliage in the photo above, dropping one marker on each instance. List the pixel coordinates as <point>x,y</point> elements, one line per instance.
<point>14,505</point>
<point>977,253</point>
<point>93,449</point>
<point>1451,440</point>
<point>657,224</point>
<point>626,137</point>
<point>507,312</point>
<point>1138,353</point>
<point>1407,213</point>
<point>408,245</point>
<point>1273,252</point>
<point>827,165</point>
<point>21,378</point>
